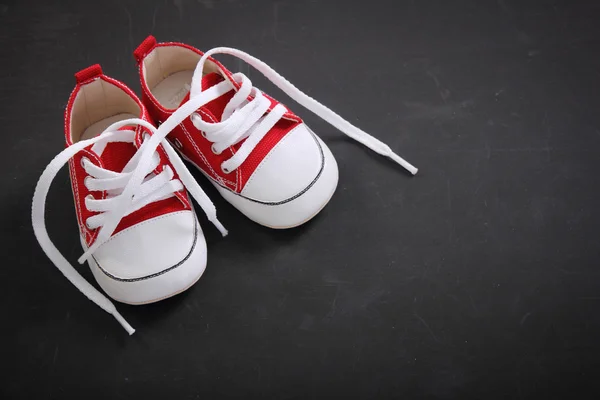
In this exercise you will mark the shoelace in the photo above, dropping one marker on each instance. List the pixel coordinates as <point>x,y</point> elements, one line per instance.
<point>154,188</point>
<point>132,189</point>
<point>243,119</point>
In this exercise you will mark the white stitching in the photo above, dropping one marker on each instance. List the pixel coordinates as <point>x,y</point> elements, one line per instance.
<point>161,109</point>
<point>217,176</point>
<point>148,92</point>
<point>164,110</point>
<point>75,189</point>
<point>290,116</point>
<point>237,177</point>
<point>93,234</point>
<point>158,105</point>
<point>187,134</point>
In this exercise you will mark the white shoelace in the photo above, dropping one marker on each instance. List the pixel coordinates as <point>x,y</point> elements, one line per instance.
<point>130,190</point>
<point>134,187</point>
<point>243,119</point>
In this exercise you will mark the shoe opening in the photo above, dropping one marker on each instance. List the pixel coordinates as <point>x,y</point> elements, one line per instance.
<point>98,104</point>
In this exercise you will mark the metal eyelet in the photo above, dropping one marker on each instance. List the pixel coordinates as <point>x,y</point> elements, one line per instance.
<point>91,197</point>
<point>193,116</point>
<point>225,170</point>
<point>83,160</point>
<point>88,197</point>
<point>213,150</point>
<point>177,143</point>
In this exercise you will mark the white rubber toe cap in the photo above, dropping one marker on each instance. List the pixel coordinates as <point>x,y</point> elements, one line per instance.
<point>152,260</point>
<point>291,185</point>
<point>288,169</point>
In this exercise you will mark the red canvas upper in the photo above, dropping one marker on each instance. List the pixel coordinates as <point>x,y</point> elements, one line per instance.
<point>189,140</point>
<point>114,157</point>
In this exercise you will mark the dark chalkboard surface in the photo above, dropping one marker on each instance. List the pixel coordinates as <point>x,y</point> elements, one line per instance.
<point>477,278</point>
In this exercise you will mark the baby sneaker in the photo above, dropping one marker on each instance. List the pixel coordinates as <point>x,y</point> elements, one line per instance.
<point>259,155</point>
<point>138,229</point>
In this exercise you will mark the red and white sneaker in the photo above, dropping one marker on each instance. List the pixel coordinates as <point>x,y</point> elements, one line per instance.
<point>138,229</point>
<point>259,155</point>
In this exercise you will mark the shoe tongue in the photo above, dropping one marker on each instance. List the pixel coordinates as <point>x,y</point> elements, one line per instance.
<point>211,79</point>
<point>116,155</point>
<point>217,106</point>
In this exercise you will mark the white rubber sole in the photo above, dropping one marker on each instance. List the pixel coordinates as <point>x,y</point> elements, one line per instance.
<point>288,214</point>
<point>171,282</point>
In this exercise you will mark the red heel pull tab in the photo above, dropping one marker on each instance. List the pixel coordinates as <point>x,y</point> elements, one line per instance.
<point>144,48</point>
<point>88,73</point>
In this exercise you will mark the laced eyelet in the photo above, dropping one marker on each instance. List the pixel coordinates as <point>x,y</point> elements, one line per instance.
<point>85,181</point>
<point>91,197</point>
<point>225,170</point>
<point>83,160</point>
<point>213,150</point>
<point>203,134</point>
<point>88,197</point>
<point>193,116</point>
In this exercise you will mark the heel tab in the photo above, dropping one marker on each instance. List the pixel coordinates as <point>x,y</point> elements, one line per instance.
<point>144,48</point>
<point>93,71</point>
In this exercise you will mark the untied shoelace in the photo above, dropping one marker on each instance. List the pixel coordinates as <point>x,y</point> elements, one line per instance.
<point>246,119</point>
<point>135,187</point>
<point>242,119</point>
